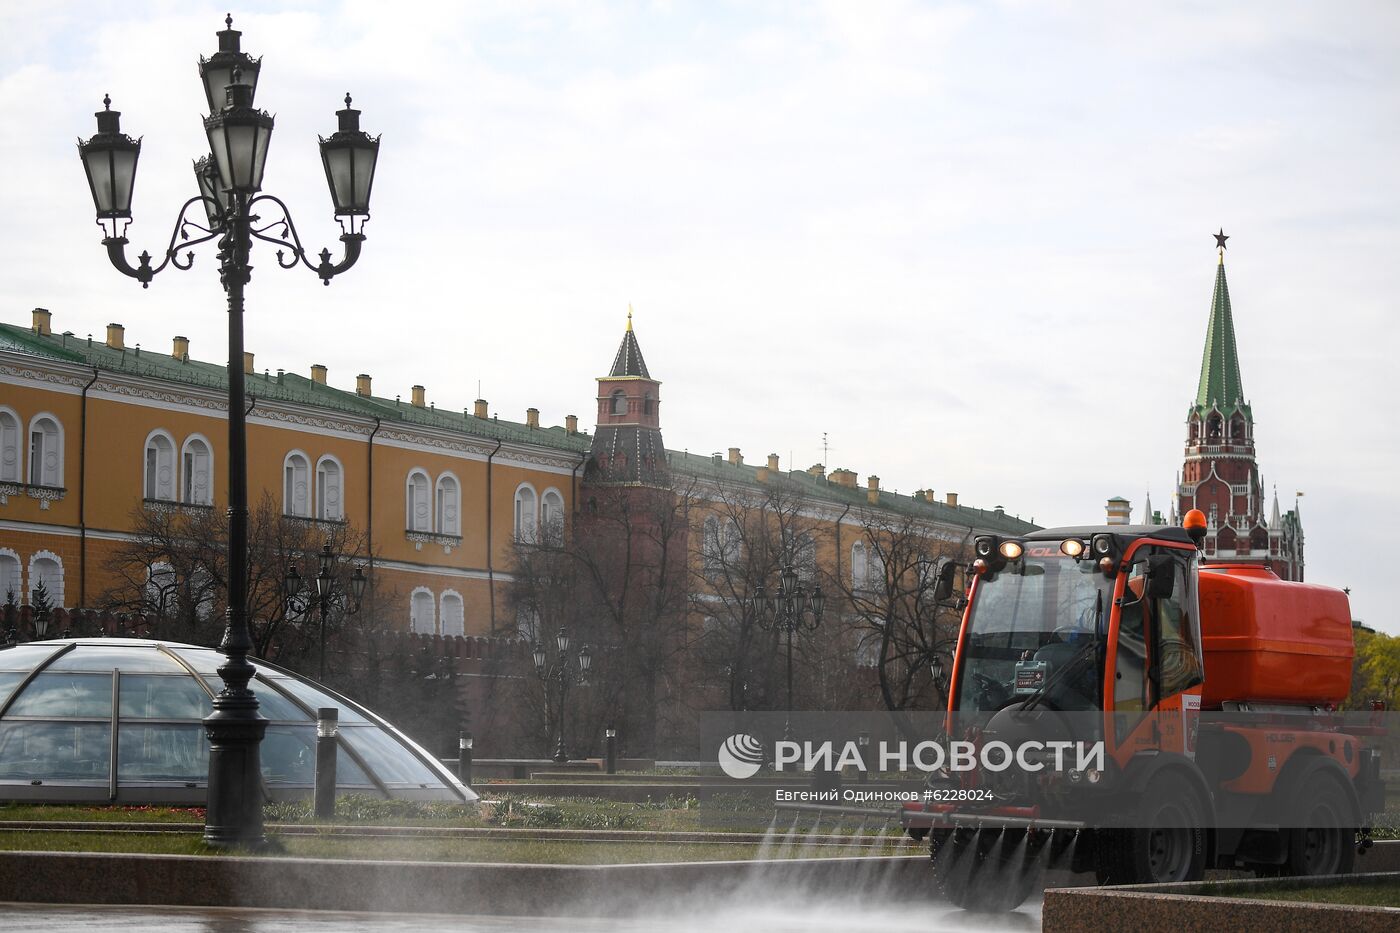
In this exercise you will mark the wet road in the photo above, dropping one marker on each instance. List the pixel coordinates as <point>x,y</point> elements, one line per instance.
<point>802,917</point>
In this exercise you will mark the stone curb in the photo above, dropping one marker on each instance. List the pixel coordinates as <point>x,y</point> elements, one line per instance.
<point>433,887</point>
<point>1170,908</point>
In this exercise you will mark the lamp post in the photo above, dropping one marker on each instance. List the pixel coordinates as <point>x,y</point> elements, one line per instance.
<point>790,609</point>
<point>464,757</point>
<point>565,671</point>
<point>610,735</point>
<point>327,594</point>
<point>41,623</point>
<point>229,181</point>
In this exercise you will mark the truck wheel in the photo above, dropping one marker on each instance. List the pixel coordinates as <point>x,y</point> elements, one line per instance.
<point>1323,844</point>
<point>1169,841</point>
<point>988,871</point>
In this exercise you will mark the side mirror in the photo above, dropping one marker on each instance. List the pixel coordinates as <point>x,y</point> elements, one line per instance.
<point>1161,576</point>
<point>943,589</point>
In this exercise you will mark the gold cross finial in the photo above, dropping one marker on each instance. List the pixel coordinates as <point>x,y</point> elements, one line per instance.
<point>629,315</point>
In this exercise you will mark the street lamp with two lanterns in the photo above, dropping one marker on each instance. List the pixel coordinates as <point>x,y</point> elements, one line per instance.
<point>565,671</point>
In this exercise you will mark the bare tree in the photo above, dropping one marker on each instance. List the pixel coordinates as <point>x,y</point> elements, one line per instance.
<point>901,625</point>
<point>616,580</point>
<point>175,569</point>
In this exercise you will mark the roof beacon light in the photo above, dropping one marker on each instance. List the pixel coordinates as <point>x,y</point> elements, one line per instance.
<point>1011,550</point>
<point>1072,547</point>
<point>1195,525</point>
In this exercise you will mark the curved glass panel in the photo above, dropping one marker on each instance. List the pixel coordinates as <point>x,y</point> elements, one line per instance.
<point>104,658</point>
<point>162,752</point>
<point>163,696</point>
<point>387,758</point>
<point>55,751</point>
<point>25,657</point>
<point>9,680</point>
<point>65,695</point>
<point>313,698</point>
<point>57,730</point>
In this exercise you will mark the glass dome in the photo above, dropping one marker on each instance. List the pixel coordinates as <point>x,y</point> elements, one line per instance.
<point>70,709</point>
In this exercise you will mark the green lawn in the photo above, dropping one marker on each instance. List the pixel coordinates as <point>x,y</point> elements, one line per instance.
<point>1368,895</point>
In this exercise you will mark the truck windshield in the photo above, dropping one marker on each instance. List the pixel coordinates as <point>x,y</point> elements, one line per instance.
<point>1036,630</point>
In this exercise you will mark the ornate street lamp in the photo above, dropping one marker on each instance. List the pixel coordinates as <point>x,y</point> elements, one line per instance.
<point>790,610</point>
<point>228,181</point>
<point>327,596</point>
<point>565,671</point>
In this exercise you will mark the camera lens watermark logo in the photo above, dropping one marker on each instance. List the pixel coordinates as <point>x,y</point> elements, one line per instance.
<point>741,756</point>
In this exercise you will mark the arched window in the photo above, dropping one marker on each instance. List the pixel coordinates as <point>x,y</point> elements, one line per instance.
<point>328,493</point>
<point>804,558</point>
<point>160,467</point>
<point>448,507</point>
<point>10,469</point>
<point>526,514</point>
<point>420,612</point>
<point>732,546</point>
<point>619,402</point>
<point>453,615</point>
<point>46,568</point>
<point>552,517</point>
<point>419,503</point>
<point>196,472</point>
<point>45,451</point>
<point>296,485</point>
<point>860,569</point>
<point>10,582</point>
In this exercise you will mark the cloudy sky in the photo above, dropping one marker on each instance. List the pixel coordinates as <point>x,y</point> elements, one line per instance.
<point>968,242</point>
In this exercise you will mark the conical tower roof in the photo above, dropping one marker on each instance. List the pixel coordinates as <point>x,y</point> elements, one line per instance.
<point>628,361</point>
<point>1220,386</point>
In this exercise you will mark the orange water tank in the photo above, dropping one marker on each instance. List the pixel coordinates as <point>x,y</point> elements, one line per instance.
<point>1271,641</point>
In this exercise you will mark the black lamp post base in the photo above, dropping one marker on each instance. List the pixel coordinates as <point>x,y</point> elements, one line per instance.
<point>234,818</point>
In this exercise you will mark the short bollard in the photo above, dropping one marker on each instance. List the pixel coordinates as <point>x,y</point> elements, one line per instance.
<point>464,758</point>
<point>327,727</point>
<point>611,735</point>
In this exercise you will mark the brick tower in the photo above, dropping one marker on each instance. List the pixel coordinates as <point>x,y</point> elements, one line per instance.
<point>1220,475</point>
<point>627,447</point>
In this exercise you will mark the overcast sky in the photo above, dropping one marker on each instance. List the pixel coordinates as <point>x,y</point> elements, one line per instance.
<point>969,242</point>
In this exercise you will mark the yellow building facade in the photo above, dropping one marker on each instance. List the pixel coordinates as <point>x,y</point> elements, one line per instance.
<point>92,432</point>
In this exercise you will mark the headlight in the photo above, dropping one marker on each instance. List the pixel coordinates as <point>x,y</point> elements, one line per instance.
<point>1072,547</point>
<point>1103,545</point>
<point>1011,550</point>
<point>983,547</point>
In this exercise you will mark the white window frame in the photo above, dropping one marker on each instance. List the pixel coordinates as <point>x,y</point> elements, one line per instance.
<point>416,623</point>
<point>55,590</point>
<point>190,493</point>
<point>414,497</point>
<point>446,622</point>
<point>159,459</point>
<point>330,508</point>
<point>553,532</point>
<point>289,484</point>
<point>448,521</point>
<point>12,439</point>
<point>45,477</point>
<point>527,514</point>
<point>17,585</point>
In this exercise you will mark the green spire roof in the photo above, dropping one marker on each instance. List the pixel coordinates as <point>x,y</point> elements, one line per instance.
<point>1220,385</point>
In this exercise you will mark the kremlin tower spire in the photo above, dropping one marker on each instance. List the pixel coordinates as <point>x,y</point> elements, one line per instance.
<point>627,447</point>
<point>1220,475</point>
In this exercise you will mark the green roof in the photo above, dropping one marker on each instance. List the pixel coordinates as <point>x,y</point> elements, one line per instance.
<point>823,489</point>
<point>283,387</point>
<point>1220,385</point>
<point>296,389</point>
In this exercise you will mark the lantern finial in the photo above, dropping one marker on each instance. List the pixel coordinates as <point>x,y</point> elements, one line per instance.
<point>106,101</point>
<point>228,20</point>
<point>347,100</point>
